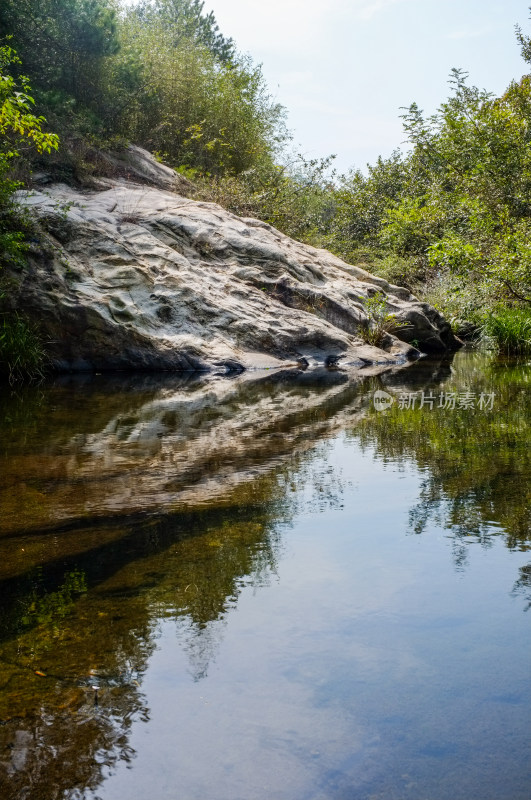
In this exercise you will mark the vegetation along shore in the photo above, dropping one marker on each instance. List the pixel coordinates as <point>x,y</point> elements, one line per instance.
<point>444,224</point>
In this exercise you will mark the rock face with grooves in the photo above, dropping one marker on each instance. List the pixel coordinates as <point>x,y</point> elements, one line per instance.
<point>130,276</point>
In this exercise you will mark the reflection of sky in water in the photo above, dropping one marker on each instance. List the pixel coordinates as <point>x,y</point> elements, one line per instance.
<point>368,667</point>
<point>329,615</point>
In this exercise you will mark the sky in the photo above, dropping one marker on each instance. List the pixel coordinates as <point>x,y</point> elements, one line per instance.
<point>343,68</point>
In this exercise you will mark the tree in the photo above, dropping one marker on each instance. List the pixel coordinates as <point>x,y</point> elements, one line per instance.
<point>195,110</point>
<point>188,21</point>
<point>19,129</point>
<point>524,42</point>
<point>63,43</point>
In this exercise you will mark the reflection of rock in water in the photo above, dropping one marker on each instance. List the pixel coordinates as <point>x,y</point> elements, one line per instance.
<point>226,456</point>
<point>428,372</point>
<point>185,449</point>
<point>173,447</point>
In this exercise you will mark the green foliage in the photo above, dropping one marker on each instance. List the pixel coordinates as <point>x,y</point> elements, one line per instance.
<point>64,44</point>
<point>189,23</point>
<point>15,111</point>
<point>406,271</point>
<point>380,321</point>
<point>473,211</point>
<point>452,215</point>
<point>297,198</point>
<point>361,202</point>
<point>458,300</point>
<point>22,354</point>
<point>12,245</point>
<point>21,351</point>
<point>508,330</point>
<point>524,42</point>
<point>203,112</point>
<point>20,130</point>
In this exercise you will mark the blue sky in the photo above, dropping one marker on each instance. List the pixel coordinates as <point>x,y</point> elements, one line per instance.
<point>343,68</point>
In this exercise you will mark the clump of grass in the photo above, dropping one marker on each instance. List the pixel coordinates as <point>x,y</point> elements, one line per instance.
<point>508,330</point>
<point>380,323</point>
<point>22,355</point>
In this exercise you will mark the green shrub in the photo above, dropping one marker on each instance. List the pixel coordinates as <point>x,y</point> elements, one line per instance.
<point>19,129</point>
<point>22,353</point>
<point>380,323</point>
<point>213,116</point>
<point>508,330</point>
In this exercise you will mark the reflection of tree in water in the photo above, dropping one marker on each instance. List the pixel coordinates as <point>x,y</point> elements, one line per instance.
<point>205,576</point>
<point>92,614</point>
<point>201,644</point>
<point>97,624</point>
<point>461,515</point>
<point>58,735</point>
<point>320,485</point>
<point>63,753</point>
<point>477,462</point>
<point>523,585</point>
<point>92,618</point>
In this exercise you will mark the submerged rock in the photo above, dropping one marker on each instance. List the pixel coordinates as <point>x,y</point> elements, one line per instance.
<point>130,276</point>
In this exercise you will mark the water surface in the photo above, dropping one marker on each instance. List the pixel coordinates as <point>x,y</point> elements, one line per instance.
<point>264,588</point>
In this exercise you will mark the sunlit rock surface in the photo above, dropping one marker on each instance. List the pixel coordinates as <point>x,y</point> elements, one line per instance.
<point>132,276</point>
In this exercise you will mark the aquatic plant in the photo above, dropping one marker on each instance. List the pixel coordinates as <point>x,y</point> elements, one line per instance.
<point>508,330</point>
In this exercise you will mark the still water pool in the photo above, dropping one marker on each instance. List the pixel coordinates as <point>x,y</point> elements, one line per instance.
<point>265,588</point>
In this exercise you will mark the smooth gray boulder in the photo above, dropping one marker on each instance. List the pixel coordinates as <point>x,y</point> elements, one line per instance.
<point>130,276</point>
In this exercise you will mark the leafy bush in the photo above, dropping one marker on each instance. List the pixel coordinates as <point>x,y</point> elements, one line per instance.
<point>508,330</point>
<point>457,203</point>
<point>296,197</point>
<point>192,103</point>
<point>22,354</point>
<point>380,322</point>
<point>21,351</point>
<point>20,129</point>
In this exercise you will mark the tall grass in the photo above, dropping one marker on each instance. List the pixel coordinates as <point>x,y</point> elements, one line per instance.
<point>379,323</point>
<point>22,355</point>
<point>508,330</point>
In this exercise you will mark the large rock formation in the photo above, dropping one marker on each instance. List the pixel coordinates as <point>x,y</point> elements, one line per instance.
<point>130,275</point>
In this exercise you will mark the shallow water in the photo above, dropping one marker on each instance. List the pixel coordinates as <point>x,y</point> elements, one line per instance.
<point>264,588</point>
